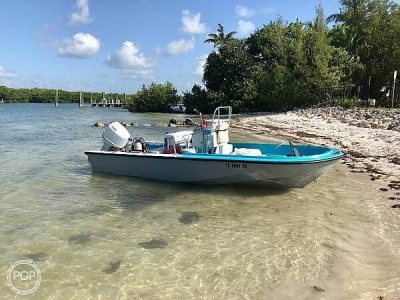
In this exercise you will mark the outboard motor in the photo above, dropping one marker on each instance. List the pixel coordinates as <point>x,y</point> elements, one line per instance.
<point>138,144</point>
<point>115,136</point>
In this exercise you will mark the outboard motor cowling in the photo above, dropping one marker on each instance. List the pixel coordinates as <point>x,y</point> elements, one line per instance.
<point>115,136</point>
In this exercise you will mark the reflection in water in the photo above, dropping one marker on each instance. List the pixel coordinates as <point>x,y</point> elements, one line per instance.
<point>115,237</point>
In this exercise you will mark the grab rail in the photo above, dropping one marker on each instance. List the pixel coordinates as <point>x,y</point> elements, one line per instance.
<point>226,117</point>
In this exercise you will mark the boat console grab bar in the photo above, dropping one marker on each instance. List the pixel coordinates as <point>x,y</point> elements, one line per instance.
<point>217,113</point>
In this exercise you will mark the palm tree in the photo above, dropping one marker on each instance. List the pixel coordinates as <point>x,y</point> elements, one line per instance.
<point>219,39</point>
<point>352,15</point>
<point>350,11</point>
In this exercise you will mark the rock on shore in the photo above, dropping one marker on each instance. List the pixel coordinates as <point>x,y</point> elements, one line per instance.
<point>377,118</point>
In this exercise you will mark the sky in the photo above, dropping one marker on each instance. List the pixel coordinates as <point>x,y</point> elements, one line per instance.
<point>117,46</point>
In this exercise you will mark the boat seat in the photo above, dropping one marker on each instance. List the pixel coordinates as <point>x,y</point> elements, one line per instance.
<point>224,148</point>
<point>247,152</point>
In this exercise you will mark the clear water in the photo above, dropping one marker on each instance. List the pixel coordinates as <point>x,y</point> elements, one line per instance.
<point>98,236</point>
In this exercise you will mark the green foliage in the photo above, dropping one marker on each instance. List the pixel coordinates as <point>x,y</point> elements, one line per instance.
<point>154,98</point>
<point>349,103</point>
<point>39,95</point>
<point>201,100</point>
<point>230,73</point>
<point>196,99</point>
<point>368,30</point>
<point>220,38</point>
<point>294,64</point>
<point>285,65</point>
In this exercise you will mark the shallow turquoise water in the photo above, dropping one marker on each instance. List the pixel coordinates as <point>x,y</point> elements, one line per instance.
<point>97,236</point>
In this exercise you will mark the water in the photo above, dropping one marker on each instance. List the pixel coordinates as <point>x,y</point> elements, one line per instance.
<point>97,236</point>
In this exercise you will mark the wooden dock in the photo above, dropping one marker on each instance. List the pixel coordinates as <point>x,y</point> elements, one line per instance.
<point>105,102</point>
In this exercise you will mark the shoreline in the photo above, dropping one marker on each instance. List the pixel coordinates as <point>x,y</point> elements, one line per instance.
<point>368,149</point>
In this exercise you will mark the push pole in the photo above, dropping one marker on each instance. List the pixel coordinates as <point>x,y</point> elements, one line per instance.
<point>394,86</point>
<point>369,90</point>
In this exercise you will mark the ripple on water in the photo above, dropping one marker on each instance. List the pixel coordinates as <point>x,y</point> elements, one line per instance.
<point>118,237</point>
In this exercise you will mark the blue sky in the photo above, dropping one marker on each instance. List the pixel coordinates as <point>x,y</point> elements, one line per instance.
<point>117,46</point>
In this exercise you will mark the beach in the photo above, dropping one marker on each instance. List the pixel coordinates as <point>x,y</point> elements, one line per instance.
<point>369,138</point>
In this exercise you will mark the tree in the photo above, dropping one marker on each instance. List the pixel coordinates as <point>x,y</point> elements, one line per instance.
<point>202,100</point>
<point>219,39</point>
<point>349,12</point>
<point>353,14</point>
<point>41,95</point>
<point>299,67</point>
<point>318,54</point>
<point>153,98</point>
<point>231,73</point>
<point>368,30</point>
<point>196,99</point>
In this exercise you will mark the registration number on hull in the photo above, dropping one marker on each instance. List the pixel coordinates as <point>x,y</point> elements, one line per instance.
<point>236,165</point>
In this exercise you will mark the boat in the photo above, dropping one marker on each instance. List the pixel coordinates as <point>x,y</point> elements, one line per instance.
<point>205,155</point>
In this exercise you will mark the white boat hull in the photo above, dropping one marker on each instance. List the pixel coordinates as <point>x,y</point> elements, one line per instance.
<point>187,169</point>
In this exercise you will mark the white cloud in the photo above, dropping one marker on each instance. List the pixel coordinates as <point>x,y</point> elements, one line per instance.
<point>245,28</point>
<point>131,60</point>
<point>244,12</point>
<point>139,73</point>
<point>177,47</point>
<point>81,45</point>
<point>6,76</point>
<point>81,16</point>
<point>191,23</point>
<point>201,61</point>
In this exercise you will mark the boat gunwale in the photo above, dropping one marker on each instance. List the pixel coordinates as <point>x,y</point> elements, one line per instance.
<point>227,158</point>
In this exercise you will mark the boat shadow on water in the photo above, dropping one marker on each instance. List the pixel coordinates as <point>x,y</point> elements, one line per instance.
<point>234,190</point>
<point>134,193</point>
